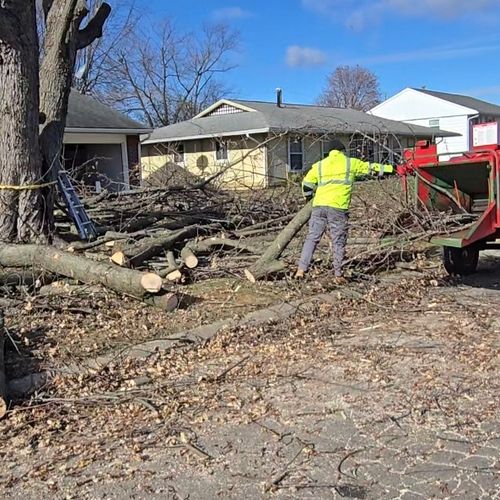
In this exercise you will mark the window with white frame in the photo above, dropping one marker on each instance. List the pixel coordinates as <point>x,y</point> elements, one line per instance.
<point>221,150</point>
<point>296,154</point>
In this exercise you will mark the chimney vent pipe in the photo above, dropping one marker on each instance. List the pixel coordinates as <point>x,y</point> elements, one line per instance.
<point>279,97</point>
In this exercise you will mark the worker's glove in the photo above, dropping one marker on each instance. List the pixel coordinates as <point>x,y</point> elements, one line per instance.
<point>308,191</point>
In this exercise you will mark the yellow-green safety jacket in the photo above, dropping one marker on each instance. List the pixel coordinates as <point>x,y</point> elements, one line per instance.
<point>332,178</point>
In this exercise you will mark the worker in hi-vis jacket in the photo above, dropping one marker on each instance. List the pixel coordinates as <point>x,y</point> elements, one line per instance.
<point>329,183</point>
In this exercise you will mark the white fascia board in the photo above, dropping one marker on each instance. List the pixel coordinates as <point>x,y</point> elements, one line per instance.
<point>215,105</point>
<point>207,136</point>
<point>127,131</point>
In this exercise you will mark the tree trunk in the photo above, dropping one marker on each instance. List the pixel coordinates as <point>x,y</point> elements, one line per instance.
<point>63,39</point>
<point>268,262</point>
<point>3,380</point>
<point>21,211</point>
<point>126,281</point>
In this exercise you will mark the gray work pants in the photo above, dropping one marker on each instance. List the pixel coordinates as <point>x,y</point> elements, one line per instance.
<point>337,222</point>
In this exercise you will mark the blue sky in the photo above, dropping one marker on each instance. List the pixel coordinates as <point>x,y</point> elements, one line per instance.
<point>447,45</point>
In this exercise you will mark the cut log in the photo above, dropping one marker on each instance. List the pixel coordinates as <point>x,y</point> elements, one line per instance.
<point>3,380</point>
<point>136,254</point>
<point>189,258</point>
<point>119,259</point>
<point>125,281</point>
<point>189,252</point>
<point>151,282</point>
<point>167,302</point>
<point>268,262</point>
<point>174,275</point>
<point>171,259</point>
<point>271,267</point>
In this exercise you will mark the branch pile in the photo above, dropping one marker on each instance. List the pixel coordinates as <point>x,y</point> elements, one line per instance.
<point>153,239</point>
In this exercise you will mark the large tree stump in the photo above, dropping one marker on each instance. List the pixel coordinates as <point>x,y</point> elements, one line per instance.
<point>268,263</point>
<point>126,281</point>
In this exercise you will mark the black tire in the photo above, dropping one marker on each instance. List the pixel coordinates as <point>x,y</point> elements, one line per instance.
<point>461,260</point>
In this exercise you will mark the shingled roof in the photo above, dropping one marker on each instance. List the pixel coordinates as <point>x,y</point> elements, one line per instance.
<point>263,117</point>
<point>85,112</point>
<point>479,106</point>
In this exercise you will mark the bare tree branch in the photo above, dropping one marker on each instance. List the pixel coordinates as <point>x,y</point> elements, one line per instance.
<point>351,87</point>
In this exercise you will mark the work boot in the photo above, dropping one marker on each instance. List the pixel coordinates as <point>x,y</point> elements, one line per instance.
<point>340,280</point>
<point>300,274</point>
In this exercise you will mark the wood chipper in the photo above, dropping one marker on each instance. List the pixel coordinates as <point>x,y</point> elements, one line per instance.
<point>467,184</point>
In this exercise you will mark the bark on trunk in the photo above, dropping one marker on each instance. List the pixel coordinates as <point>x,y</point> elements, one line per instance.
<point>126,281</point>
<point>3,380</point>
<point>63,39</point>
<point>21,211</point>
<point>268,262</point>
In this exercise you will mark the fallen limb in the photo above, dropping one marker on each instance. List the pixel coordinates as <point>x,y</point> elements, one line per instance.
<point>268,262</point>
<point>136,254</point>
<point>191,250</point>
<point>45,258</point>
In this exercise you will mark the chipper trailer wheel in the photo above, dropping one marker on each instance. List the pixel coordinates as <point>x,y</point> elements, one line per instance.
<point>461,260</point>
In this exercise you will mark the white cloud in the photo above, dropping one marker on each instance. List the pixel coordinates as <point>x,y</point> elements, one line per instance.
<point>429,54</point>
<point>363,13</point>
<point>231,13</point>
<point>297,56</point>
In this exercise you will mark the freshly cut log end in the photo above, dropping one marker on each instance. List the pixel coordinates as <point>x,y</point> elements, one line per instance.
<point>189,258</point>
<point>151,282</point>
<point>174,276</point>
<point>120,259</point>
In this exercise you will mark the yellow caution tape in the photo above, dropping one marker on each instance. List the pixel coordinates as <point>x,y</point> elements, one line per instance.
<point>26,187</point>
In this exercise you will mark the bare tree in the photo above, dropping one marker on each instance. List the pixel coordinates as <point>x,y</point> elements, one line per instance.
<point>92,62</point>
<point>166,77</point>
<point>25,198</point>
<point>351,87</point>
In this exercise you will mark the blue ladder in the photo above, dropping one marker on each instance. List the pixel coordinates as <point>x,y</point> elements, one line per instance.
<point>85,226</point>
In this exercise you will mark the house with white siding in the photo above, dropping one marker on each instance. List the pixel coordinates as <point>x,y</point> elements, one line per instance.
<point>441,110</point>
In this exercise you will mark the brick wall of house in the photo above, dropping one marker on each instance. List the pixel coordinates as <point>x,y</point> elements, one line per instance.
<point>134,161</point>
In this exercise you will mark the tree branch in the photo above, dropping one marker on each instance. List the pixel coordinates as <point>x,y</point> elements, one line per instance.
<point>94,27</point>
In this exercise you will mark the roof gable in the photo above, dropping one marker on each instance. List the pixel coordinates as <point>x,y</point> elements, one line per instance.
<point>412,104</point>
<point>224,107</point>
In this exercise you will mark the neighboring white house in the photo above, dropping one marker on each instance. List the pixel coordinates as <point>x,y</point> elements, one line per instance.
<point>450,112</point>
